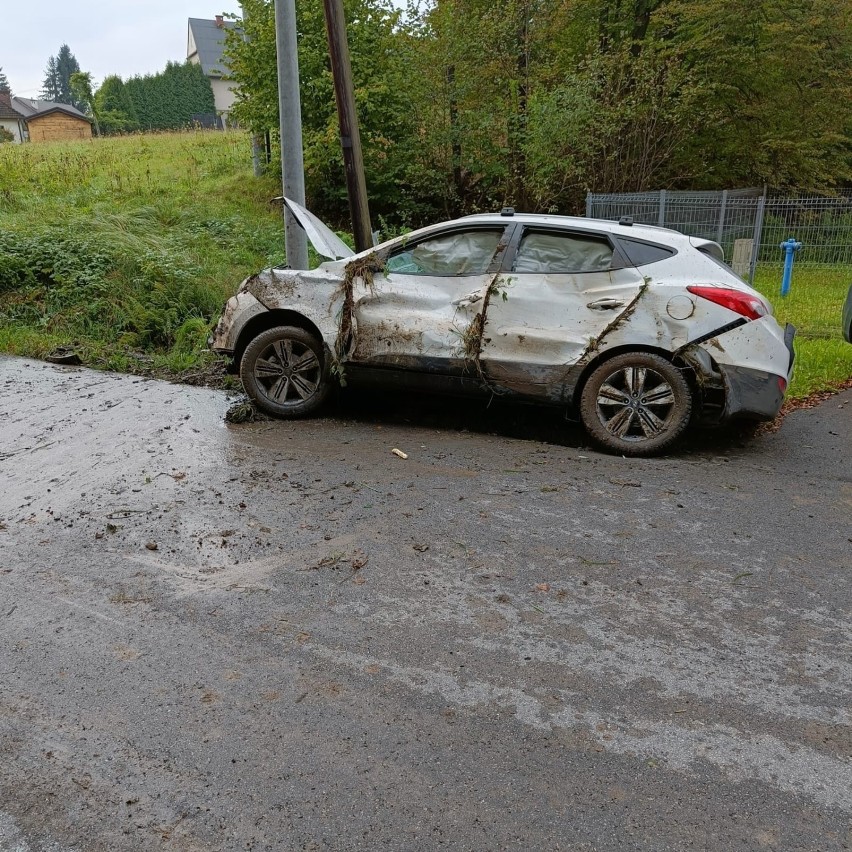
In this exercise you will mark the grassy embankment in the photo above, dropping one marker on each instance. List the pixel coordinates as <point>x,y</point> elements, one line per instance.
<point>126,248</point>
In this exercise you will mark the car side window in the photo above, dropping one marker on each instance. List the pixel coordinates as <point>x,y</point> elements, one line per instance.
<point>554,252</point>
<point>458,253</point>
<point>642,254</point>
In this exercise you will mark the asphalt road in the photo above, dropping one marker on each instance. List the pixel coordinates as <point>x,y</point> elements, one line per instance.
<point>282,636</point>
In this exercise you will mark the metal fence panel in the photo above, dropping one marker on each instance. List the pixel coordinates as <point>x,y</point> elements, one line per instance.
<point>822,224</point>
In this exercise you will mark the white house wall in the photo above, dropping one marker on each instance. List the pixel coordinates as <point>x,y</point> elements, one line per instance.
<point>191,50</point>
<point>13,127</point>
<point>223,96</point>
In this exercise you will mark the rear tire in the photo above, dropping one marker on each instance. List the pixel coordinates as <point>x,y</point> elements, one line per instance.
<point>636,404</point>
<point>283,372</point>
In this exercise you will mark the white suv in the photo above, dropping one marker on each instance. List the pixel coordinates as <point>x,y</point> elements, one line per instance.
<point>640,330</point>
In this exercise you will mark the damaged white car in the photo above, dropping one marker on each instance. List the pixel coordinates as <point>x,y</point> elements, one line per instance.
<point>638,330</point>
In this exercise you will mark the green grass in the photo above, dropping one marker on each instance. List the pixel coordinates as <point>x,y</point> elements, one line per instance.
<point>126,248</point>
<point>813,305</point>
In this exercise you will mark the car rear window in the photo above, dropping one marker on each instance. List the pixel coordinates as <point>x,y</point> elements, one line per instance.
<point>641,254</point>
<point>553,253</point>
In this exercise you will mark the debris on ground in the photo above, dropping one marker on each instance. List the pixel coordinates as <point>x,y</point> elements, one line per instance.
<point>244,411</point>
<point>399,453</point>
<point>64,355</point>
<point>626,483</point>
<point>210,374</point>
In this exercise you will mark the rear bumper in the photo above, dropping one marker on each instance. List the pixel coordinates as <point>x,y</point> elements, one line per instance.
<point>756,394</point>
<point>751,394</point>
<point>744,371</point>
<point>789,335</point>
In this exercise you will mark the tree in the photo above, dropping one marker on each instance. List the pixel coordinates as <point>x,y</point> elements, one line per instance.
<point>382,76</point>
<point>57,79</point>
<point>779,72</point>
<point>5,88</point>
<point>114,107</point>
<point>467,105</point>
<point>482,66</point>
<point>50,86</point>
<point>81,90</point>
<point>168,100</point>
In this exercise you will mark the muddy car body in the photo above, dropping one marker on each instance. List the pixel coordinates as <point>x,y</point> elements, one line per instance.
<point>641,330</point>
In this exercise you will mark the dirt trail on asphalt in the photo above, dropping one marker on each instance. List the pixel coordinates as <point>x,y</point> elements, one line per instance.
<point>282,636</point>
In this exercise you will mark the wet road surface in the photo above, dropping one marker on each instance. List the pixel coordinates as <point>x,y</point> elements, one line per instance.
<point>281,636</point>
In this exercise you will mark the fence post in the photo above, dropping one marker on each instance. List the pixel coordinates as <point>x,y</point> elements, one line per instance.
<point>758,233</point>
<point>722,207</point>
<point>588,205</point>
<point>661,218</point>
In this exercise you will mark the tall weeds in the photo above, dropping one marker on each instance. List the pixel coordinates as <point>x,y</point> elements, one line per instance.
<point>128,244</point>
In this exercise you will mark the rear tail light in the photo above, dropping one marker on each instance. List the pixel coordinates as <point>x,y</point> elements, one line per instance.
<point>745,304</point>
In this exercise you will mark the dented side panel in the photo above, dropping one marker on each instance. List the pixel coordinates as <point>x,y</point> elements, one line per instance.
<point>666,318</point>
<point>238,311</point>
<point>405,319</point>
<point>538,326</point>
<point>758,344</point>
<point>316,294</point>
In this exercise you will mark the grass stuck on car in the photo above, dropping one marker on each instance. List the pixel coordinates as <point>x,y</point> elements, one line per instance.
<point>640,331</point>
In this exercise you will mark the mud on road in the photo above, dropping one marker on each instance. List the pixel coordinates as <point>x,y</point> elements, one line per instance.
<point>282,636</point>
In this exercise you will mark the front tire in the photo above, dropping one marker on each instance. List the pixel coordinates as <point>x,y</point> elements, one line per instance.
<point>283,372</point>
<point>636,404</point>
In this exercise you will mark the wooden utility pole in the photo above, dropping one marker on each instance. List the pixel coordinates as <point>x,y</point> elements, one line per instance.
<point>290,121</point>
<point>350,137</point>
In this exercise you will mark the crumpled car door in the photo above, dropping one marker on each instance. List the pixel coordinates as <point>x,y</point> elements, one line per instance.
<point>419,311</point>
<point>560,292</point>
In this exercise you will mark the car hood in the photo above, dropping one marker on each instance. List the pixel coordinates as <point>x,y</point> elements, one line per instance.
<point>323,239</point>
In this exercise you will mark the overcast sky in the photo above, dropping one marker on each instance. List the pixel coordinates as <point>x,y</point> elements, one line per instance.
<point>123,37</point>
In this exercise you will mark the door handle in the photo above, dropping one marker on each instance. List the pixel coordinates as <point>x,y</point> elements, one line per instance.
<point>605,304</point>
<point>469,299</point>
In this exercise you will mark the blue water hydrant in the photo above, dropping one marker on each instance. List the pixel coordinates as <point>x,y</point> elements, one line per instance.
<point>790,247</point>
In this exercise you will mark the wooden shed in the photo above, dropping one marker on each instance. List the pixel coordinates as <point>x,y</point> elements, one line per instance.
<point>56,125</point>
<point>47,121</point>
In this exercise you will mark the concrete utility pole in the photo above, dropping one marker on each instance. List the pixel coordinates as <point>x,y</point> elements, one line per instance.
<point>350,137</point>
<point>290,118</point>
